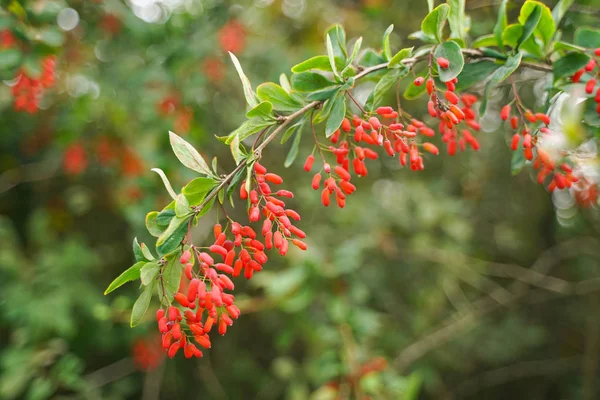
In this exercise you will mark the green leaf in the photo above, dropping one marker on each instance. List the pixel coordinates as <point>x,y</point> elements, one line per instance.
<point>248,92</point>
<point>511,35</point>
<point>152,225</point>
<point>560,10</point>
<point>517,162</point>
<point>558,45</point>
<point>413,91</point>
<point>188,155</point>
<point>171,238</point>
<point>587,37</point>
<point>501,24</point>
<point>370,58</point>
<point>289,131</point>
<point>531,23</point>
<point>590,114</point>
<point>387,51</point>
<point>131,274</point>
<point>420,35</point>
<point>396,61</point>
<point>141,252</point>
<point>149,272</point>
<point>450,51</point>
<point>237,150</point>
<point>9,58</point>
<point>310,82</point>
<point>285,83</point>
<point>569,64</point>
<point>338,40</point>
<point>457,19</point>
<point>336,116</point>
<point>485,41</point>
<point>249,128</point>
<point>196,190</point>
<point>382,87</point>
<point>277,95</point>
<point>433,24</point>
<point>263,110</point>
<point>52,36</point>
<point>163,219</point>
<point>546,27</point>
<point>171,277</point>
<point>182,206</point>
<point>355,51</point>
<point>474,73</point>
<point>322,95</point>
<point>511,65</point>
<point>166,182</point>
<point>141,306</point>
<point>331,55</point>
<point>430,5</point>
<point>319,63</point>
<point>293,152</point>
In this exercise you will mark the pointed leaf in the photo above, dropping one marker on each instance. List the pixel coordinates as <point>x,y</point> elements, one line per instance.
<point>319,63</point>
<point>501,24</point>
<point>188,155</point>
<point>130,274</point>
<point>531,23</point>
<point>310,82</point>
<point>248,92</point>
<point>165,182</point>
<point>141,306</point>
<point>433,24</point>
<point>385,46</point>
<point>457,19</point>
<point>336,116</point>
<point>293,152</point>
<point>249,128</point>
<point>546,27</point>
<point>569,64</point>
<point>263,110</point>
<point>338,40</point>
<point>277,95</point>
<point>396,61</point>
<point>197,189</point>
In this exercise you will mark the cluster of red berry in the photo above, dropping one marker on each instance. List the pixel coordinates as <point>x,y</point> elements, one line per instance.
<point>203,289</point>
<point>592,70</point>
<point>277,227</point>
<point>450,112</point>
<point>28,91</point>
<point>7,39</point>
<point>147,353</point>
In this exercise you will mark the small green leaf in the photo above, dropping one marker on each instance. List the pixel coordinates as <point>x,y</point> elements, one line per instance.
<point>171,238</point>
<point>511,65</point>
<point>322,95</point>
<point>131,274</point>
<point>501,24</point>
<point>141,252</point>
<point>338,41</point>
<point>149,272</point>
<point>166,182</point>
<point>9,58</point>
<point>263,110</point>
<point>289,131</point>
<point>141,306</point>
<point>196,190</point>
<point>560,10</point>
<point>331,55</point>
<point>285,83</point>
<point>248,92</point>
<point>587,37</point>
<point>433,24</point>
<point>511,35</point>
<point>354,54</point>
<point>474,73</point>
<point>163,219</point>
<point>188,155</point>
<point>237,150</point>
<point>457,19</point>
<point>569,64</point>
<point>396,61</point>
<point>171,277</point>
<point>182,206</point>
<point>517,162</point>
<point>546,27</point>
<point>531,23</point>
<point>370,58</point>
<point>485,41</point>
<point>293,152</point>
<point>249,128</point>
<point>384,84</point>
<point>319,63</point>
<point>336,116</point>
<point>152,225</point>
<point>450,51</point>
<point>277,95</point>
<point>310,82</point>
<point>387,51</point>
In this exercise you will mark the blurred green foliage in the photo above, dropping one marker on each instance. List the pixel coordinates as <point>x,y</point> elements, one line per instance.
<point>409,292</point>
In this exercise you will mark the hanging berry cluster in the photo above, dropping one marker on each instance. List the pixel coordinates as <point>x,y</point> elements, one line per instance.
<point>589,74</point>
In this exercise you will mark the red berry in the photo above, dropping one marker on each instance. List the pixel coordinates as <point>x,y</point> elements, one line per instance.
<point>443,62</point>
<point>419,81</point>
<point>505,113</point>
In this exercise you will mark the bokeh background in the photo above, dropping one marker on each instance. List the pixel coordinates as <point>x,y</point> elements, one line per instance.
<point>458,282</point>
